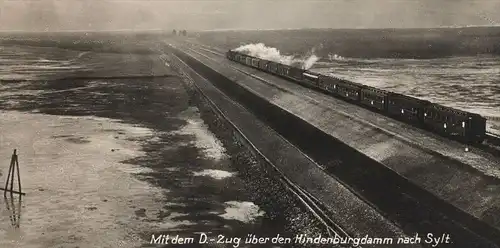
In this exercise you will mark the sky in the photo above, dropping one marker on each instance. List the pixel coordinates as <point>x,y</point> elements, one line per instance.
<point>61,15</point>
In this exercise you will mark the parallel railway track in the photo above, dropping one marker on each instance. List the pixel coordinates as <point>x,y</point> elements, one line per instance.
<point>309,202</point>
<point>491,144</point>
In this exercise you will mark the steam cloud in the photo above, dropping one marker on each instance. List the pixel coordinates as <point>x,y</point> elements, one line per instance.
<point>260,50</point>
<point>335,57</point>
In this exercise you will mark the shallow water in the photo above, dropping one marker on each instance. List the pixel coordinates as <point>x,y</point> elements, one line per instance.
<point>469,83</point>
<point>76,187</point>
<point>100,182</point>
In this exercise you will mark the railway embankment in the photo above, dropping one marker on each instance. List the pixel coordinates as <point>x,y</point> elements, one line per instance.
<point>412,208</point>
<point>467,180</point>
<point>352,214</point>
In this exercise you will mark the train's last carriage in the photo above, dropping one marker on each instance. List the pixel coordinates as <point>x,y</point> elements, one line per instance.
<point>348,90</point>
<point>373,97</point>
<point>230,55</point>
<point>456,123</point>
<point>406,108</point>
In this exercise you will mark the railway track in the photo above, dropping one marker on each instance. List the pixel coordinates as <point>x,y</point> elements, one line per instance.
<point>491,144</point>
<point>496,136</point>
<point>309,202</point>
<point>493,140</point>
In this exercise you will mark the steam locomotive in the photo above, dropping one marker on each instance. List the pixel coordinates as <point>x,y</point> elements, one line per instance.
<point>449,122</point>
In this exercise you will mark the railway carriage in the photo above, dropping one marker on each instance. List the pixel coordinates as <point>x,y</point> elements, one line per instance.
<point>373,98</point>
<point>455,123</point>
<point>348,90</point>
<point>243,58</point>
<point>230,55</point>
<point>290,72</point>
<point>264,65</point>
<point>248,61</point>
<point>406,108</point>
<point>282,70</point>
<point>255,62</point>
<point>273,67</point>
<point>295,73</point>
<point>328,84</point>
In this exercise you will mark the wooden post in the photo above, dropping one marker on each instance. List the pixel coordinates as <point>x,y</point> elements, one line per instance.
<point>14,164</point>
<point>8,179</point>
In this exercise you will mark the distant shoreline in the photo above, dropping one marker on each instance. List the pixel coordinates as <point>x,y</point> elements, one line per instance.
<point>243,29</point>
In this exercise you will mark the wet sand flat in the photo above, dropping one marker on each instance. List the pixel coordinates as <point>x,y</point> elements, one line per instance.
<point>110,162</point>
<point>76,187</point>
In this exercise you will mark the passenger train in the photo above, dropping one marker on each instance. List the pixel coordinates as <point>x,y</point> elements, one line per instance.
<point>449,122</point>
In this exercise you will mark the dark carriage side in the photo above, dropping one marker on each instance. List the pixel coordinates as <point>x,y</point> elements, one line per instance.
<point>264,65</point>
<point>230,55</point>
<point>406,108</point>
<point>457,124</point>
<point>348,90</point>
<point>290,72</point>
<point>373,98</point>
<point>328,84</point>
<point>273,67</point>
<point>255,62</point>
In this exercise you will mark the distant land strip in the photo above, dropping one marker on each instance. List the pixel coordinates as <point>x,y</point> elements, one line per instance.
<point>116,77</point>
<point>92,78</point>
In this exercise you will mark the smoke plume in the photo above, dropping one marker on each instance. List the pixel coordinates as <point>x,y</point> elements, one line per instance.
<point>260,50</point>
<point>335,57</point>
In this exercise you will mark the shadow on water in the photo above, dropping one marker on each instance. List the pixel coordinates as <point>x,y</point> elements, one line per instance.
<point>13,207</point>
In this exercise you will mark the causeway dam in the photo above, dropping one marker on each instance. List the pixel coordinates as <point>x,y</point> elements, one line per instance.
<point>373,175</point>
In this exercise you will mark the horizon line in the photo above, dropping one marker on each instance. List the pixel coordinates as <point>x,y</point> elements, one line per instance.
<point>230,29</point>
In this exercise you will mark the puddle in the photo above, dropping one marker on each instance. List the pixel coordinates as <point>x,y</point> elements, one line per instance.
<point>204,139</point>
<point>246,212</point>
<point>216,174</point>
